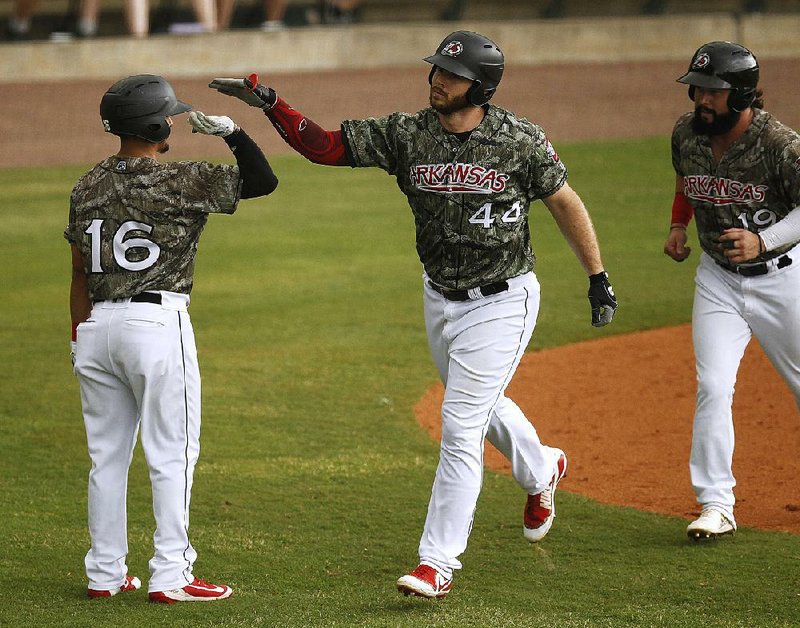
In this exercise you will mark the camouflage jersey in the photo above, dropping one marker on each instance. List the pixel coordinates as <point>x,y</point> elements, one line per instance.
<point>137,222</point>
<point>470,199</point>
<point>755,184</point>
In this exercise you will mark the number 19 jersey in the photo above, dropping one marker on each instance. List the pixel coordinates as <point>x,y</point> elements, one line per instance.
<point>754,185</point>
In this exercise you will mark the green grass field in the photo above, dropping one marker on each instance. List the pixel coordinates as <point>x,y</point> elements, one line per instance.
<point>314,476</point>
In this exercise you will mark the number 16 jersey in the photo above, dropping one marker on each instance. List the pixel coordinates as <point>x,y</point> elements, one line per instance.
<point>137,222</point>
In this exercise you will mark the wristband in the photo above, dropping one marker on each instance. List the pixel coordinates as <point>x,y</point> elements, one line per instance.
<point>682,211</point>
<point>601,277</point>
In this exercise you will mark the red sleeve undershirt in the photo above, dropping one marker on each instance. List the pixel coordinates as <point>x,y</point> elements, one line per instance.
<point>307,137</point>
<point>682,211</point>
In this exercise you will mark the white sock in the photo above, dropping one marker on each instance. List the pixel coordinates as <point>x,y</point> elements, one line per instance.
<point>19,25</point>
<point>87,27</point>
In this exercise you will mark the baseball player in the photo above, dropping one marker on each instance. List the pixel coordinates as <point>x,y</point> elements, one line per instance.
<point>134,226</point>
<point>470,171</point>
<point>738,171</point>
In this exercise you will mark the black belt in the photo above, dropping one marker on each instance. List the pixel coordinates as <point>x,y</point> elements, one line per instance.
<point>754,270</point>
<point>463,295</point>
<point>142,297</point>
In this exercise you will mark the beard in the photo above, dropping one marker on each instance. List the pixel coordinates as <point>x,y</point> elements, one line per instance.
<point>720,123</point>
<point>451,104</point>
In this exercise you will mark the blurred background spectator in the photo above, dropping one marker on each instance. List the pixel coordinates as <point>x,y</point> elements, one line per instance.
<point>274,12</point>
<point>140,18</point>
<point>82,24</point>
<point>209,16</point>
<point>38,19</point>
<point>339,11</point>
<point>19,22</point>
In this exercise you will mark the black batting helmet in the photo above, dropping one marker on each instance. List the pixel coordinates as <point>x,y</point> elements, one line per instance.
<point>474,57</point>
<point>139,106</point>
<point>724,65</point>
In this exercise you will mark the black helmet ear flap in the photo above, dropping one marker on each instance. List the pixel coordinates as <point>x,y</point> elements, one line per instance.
<point>741,99</point>
<point>477,95</point>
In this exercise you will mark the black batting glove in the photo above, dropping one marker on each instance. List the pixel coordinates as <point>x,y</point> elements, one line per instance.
<point>248,90</point>
<point>602,299</point>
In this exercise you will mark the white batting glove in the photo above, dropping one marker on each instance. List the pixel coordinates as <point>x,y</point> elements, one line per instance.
<point>221,126</point>
<point>73,348</point>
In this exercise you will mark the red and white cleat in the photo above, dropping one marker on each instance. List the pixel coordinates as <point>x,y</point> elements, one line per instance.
<point>197,591</point>
<point>540,509</point>
<point>131,583</point>
<point>425,581</point>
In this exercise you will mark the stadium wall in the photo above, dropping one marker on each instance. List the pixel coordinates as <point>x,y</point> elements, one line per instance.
<point>362,46</point>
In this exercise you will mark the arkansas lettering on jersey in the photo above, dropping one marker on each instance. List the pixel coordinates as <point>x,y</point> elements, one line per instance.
<point>458,177</point>
<point>720,191</point>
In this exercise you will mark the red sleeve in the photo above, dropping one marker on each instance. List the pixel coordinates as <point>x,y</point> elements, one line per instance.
<point>682,211</point>
<point>307,137</point>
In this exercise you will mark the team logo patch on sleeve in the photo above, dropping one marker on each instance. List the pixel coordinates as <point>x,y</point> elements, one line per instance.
<point>551,152</point>
<point>453,49</point>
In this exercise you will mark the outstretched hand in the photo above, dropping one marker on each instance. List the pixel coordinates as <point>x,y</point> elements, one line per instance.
<point>248,90</point>
<point>602,299</point>
<point>221,126</point>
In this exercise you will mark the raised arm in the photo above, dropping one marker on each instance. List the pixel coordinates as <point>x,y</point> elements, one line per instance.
<point>303,135</point>
<point>257,176</point>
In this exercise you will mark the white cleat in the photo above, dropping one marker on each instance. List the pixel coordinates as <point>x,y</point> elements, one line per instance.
<point>710,524</point>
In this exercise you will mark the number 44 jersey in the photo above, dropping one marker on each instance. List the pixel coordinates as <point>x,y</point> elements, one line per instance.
<point>754,185</point>
<point>137,222</point>
<point>470,193</point>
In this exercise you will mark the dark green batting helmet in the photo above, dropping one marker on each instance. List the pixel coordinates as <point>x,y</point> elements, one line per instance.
<point>724,65</point>
<point>474,57</point>
<point>138,106</point>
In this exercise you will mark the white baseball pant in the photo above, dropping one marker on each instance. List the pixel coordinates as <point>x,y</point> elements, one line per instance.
<point>728,310</point>
<point>477,346</point>
<point>137,368</point>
